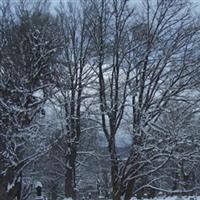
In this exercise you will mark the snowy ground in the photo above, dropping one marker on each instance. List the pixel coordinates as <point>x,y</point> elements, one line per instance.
<point>167,198</point>
<point>173,198</point>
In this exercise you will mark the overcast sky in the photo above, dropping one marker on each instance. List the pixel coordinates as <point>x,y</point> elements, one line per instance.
<point>196,3</point>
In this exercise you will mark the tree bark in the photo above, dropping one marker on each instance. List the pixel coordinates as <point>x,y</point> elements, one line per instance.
<point>15,190</point>
<point>129,190</point>
<point>70,176</point>
<point>114,170</point>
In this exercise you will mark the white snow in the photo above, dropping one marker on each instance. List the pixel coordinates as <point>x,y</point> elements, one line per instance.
<point>10,186</point>
<point>38,184</point>
<point>172,198</point>
<point>67,198</point>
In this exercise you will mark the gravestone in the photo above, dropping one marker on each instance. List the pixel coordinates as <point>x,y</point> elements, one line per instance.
<point>38,187</point>
<point>89,196</point>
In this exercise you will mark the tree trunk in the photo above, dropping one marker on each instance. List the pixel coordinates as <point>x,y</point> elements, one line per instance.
<point>19,187</point>
<point>6,181</point>
<point>115,188</point>
<point>69,184</point>
<point>129,190</point>
<point>54,192</point>
<point>70,175</point>
<point>114,170</point>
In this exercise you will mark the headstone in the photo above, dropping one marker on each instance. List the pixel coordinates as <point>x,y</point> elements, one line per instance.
<point>38,187</point>
<point>89,196</point>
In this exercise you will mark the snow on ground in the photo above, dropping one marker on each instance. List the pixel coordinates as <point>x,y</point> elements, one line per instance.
<point>172,198</point>
<point>67,199</point>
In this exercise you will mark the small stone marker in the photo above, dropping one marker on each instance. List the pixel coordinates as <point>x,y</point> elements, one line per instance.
<point>89,195</point>
<point>38,187</point>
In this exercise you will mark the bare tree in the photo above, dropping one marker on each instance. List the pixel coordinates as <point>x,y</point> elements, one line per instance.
<point>73,76</point>
<point>164,67</point>
<point>110,30</point>
<point>146,62</point>
<point>25,72</point>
